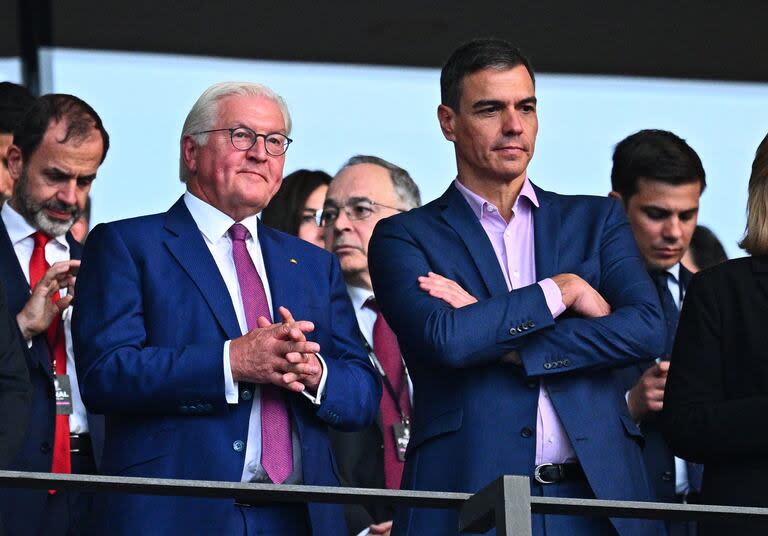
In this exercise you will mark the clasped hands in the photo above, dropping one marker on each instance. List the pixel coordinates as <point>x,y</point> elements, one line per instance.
<point>577,295</point>
<point>278,353</point>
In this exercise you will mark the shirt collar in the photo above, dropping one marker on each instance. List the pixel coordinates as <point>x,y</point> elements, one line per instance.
<point>479,205</point>
<point>674,271</point>
<point>359,296</point>
<point>212,222</point>
<point>19,229</point>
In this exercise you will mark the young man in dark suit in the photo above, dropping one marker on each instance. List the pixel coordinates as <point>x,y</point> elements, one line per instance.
<point>659,178</point>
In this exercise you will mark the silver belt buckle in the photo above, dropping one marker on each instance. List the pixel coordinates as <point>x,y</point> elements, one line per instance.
<point>75,437</point>
<point>537,473</point>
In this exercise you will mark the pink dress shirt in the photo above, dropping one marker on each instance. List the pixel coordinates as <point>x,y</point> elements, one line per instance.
<point>513,244</point>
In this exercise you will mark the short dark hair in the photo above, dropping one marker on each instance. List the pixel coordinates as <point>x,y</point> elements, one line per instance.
<point>474,56</point>
<point>657,155</point>
<point>78,114</point>
<point>705,249</point>
<point>15,100</point>
<point>284,210</point>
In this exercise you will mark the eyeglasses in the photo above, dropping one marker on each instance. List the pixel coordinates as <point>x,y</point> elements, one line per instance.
<point>355,208</point>
<point>311,215</point>
<point>243,138</point>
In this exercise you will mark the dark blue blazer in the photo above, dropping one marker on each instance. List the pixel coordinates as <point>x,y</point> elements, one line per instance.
<point>658,455</point>
<point>150,358</point>
<point>475,419</point>
<point>22,508</point>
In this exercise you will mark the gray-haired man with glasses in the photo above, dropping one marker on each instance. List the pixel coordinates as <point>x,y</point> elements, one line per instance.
<point>223,349</point>
<point>366,190</point>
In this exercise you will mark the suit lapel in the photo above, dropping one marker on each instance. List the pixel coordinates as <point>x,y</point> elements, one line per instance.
<point>16,285</point>
<point>459,216</point>
<point>187,246</point>
<point>546,224</point>
<point>18,292</point>
<point>276,262</point>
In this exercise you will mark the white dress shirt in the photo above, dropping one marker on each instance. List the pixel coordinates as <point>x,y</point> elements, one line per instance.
<point>214,226</point>
<point>20,232</point>
<point>673,283</point>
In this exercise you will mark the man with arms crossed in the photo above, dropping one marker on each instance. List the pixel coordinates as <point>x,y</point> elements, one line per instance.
<point>195,356</point>
<point>511,356</point>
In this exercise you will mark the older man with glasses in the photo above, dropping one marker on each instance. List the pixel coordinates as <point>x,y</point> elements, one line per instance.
<point>366,190</point>
<point>196,358</point>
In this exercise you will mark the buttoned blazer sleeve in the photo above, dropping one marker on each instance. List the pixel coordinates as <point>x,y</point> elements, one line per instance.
<point>404,247</point>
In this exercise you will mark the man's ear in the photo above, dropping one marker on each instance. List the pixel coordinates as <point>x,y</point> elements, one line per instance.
<point>616,195</point>
<point>15,162</point>
<point>189,150</point>
<point>446,115</point>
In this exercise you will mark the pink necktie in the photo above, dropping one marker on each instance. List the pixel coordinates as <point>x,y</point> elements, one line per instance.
<point>276,447</point>
<point>387,352</point>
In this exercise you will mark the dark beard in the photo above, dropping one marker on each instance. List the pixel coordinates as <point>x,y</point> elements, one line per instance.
<point>32,210</point>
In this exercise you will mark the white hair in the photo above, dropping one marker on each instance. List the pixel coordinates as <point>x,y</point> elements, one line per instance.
<point>204,112</point>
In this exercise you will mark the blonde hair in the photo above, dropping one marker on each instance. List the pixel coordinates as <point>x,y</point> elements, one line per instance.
<point>755,240</point>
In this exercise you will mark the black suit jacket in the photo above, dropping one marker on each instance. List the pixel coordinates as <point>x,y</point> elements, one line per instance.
<point>15,390</point>
<point>716,399</point>
<point>20,507</point>
<point>657,453</point>
<point>360,460</point>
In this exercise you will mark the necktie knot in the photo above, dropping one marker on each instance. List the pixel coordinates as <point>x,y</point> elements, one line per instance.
<point>371,304</point>
<point>41,239</point>
<point>238,232</point>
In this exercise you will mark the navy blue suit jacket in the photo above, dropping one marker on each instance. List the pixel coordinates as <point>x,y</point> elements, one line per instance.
<point>21,509</point>
<point>658,455</point>
<point>150,358</point>
<point>476,416</point>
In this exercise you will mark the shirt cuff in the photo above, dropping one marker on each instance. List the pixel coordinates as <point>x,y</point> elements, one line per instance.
<point>553,296</point>
<point>230,385</point>
<point>317,399</point>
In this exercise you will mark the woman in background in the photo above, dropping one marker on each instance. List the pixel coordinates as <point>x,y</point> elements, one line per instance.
<point>297,205</point>
<point>716,398</point>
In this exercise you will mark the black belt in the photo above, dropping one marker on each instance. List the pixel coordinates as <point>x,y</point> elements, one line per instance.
<point>80,444</point>
<point>552,473</point>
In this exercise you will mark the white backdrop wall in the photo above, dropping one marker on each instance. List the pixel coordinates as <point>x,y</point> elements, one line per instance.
<point>342,110</point>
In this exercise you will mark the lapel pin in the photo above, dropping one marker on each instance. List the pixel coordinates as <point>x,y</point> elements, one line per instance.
<point>294,261</point>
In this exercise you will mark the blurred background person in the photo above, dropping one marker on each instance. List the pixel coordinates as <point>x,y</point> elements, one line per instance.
<point>717,389</point>
<point>704,251</point>
<point>659,179</point>
<point>296,207</point>
<point>82,225</point>
<point>15,100</point>
<point>366,190</point>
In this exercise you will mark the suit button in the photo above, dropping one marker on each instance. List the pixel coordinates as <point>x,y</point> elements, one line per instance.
<point>45,447</point>
<point>566,362</point>
<point>667,476</point>
<point>238,446</point>
<point>548,365</point>
<point>512,331</point>
<point>245,394</point>
<point>532,385</point>
<point>526,432</point>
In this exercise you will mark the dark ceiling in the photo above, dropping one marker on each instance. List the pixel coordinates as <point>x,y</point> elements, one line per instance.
<point>680,39</point>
